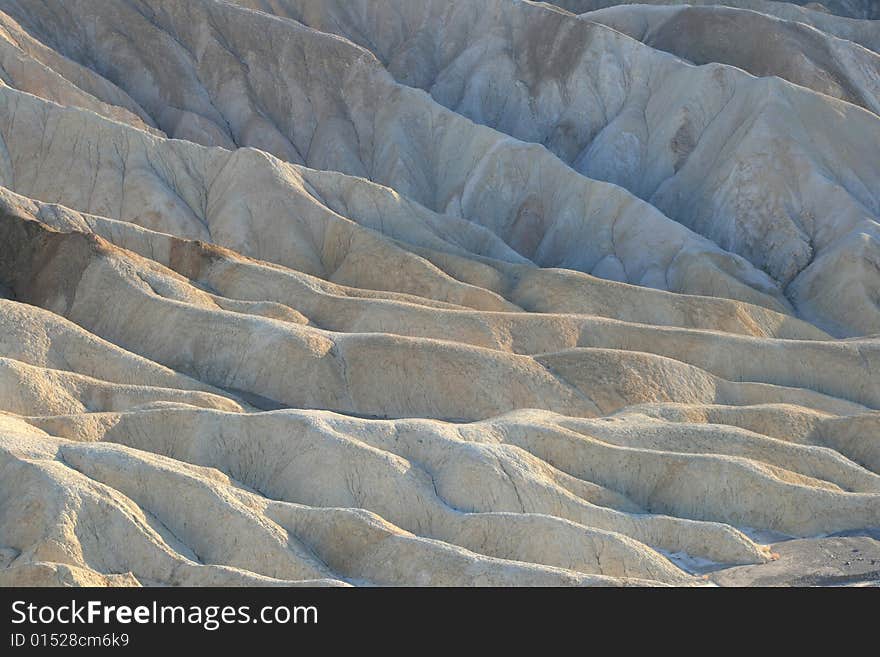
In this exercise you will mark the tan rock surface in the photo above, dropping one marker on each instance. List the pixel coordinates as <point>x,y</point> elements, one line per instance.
<point>439,293</point>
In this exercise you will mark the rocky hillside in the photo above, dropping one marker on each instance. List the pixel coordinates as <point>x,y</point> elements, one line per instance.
<point>448,292</point>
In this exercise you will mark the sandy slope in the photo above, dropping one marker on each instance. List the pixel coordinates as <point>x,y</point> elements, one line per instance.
<point>441,293</point>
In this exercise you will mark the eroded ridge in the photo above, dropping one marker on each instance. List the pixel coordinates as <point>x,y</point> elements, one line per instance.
<point>439,293</point>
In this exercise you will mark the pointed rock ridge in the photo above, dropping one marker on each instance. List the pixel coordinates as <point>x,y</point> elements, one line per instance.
<point>713,148</point>
<point>547,219</point>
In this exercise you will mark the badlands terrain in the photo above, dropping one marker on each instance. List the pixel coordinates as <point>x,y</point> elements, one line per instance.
<point>439,292</point>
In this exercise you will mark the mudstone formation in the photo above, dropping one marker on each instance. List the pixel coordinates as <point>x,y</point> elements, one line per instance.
<point>447,292</point>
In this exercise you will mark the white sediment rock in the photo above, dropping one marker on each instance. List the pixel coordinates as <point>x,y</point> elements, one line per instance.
<point>470,292</point>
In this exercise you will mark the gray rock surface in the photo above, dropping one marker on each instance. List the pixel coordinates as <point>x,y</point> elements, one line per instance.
<point>851,561</point>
